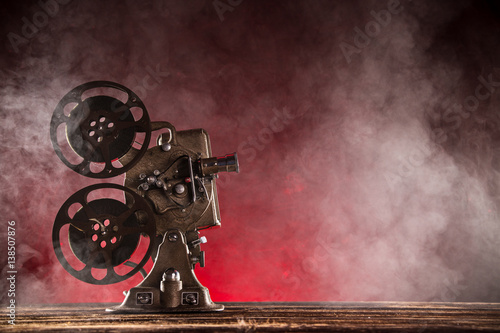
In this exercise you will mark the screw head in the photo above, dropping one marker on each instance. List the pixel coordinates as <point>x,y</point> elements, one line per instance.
<point>179,188</point>
<point>144,298</point>
<point>171,274</point>
<point>166,147</point>
<point>191,299</point>
<point>173,237</point>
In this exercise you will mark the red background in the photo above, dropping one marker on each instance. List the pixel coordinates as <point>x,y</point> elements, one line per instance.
<point>375,185</point>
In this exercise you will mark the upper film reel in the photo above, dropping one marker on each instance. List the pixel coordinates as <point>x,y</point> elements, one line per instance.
<point>90,132</point>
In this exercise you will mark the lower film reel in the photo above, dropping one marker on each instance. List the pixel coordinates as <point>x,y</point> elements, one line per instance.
<point>90,131</point>
<point>97,239</point>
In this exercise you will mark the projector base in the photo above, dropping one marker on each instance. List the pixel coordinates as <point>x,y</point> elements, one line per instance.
<point>171,286</point>
<point>151,300</point>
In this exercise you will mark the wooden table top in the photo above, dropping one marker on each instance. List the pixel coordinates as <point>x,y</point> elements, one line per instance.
<point>265,317</point>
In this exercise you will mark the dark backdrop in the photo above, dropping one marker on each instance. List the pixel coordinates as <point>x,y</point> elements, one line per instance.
<point>368,134</point>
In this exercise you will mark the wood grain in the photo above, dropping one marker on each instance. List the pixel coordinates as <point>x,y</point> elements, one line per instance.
<point>266,317</point>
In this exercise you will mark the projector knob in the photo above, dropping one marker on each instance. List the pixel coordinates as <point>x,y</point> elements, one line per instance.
<point>179,188</point>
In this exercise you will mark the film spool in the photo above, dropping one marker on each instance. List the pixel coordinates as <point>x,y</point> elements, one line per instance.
<point>103,233</point>
<point>100,130</point>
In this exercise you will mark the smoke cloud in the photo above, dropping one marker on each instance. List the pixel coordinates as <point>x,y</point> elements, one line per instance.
<point>368,135</point>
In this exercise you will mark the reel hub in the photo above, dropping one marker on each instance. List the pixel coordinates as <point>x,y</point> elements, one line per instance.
<point>106,233</point>
<point>92,130</point>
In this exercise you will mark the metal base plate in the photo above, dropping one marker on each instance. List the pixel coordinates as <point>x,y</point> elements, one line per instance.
<point>179,309</point>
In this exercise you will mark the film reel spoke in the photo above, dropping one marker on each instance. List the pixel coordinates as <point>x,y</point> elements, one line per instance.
<point>140,124</point>
<point>131,230</point>
<point>82,168</point>
<point>93,262</point>
<point>89,264</point>
<point>122,110</point>
<point>85,274</point>
<point>126,125</point>
<point>58,119</point>
<point>104,149</point>
<point>120,220</point>
<point>81,225</point>
<point>111,275</point>
<point>108,265</point>
<point>74,96</point>
<point>89,212</point>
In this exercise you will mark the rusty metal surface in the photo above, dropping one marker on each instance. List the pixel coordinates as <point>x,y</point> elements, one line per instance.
<point>267,317</point>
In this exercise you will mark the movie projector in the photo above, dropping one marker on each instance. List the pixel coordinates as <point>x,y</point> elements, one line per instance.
<point>106,233</point>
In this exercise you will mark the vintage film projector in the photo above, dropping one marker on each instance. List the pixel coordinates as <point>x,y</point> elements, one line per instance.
<point>106,233</point>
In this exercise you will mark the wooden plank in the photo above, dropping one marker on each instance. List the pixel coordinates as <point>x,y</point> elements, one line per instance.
<point>266,317</point>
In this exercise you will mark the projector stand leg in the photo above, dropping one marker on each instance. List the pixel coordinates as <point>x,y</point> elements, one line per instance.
<point>171,286</point>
